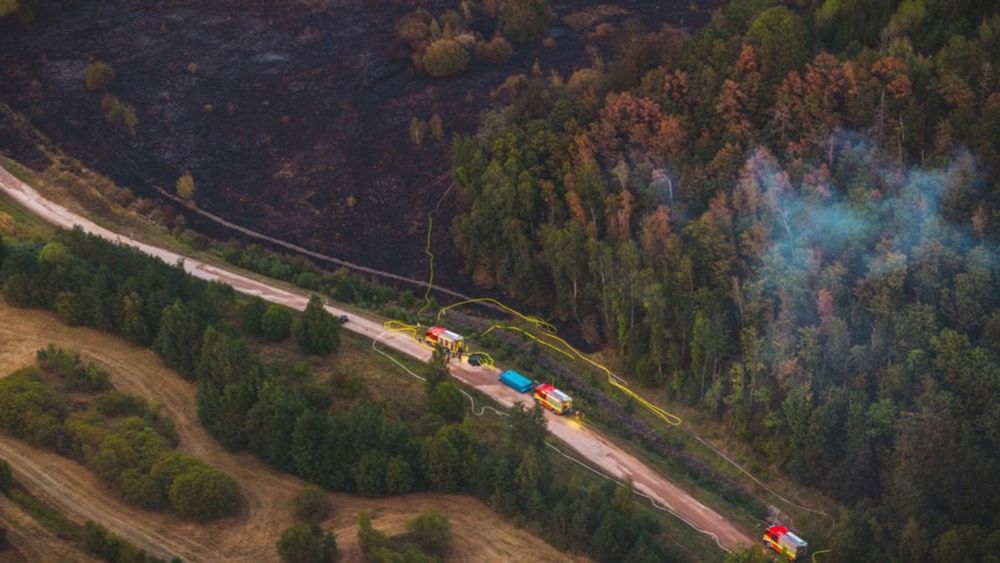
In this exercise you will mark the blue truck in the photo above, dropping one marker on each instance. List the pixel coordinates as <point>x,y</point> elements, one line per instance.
<point>516,381</point>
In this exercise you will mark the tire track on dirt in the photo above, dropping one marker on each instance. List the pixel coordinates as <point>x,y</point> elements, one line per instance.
<point>34,541</point>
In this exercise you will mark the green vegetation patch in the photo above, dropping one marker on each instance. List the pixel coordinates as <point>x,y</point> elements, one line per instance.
<point>123,439</point>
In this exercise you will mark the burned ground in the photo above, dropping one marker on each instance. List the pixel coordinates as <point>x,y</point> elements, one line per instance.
<point>292,117</point>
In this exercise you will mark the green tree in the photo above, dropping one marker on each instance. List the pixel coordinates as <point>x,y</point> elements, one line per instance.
<point>178,340</point>
<point>97,76</point>
<point>780,38</point>
<point>185,186</point>
<point>398,476</point>
<point>432,532</point>
<point>370,539</point>
<point>311,505</point>
<point>276,323</point>
<point>447,401</point>
<point>70,308</point>
<point>251,315</point>
<point>305,543</point>
<point>317,331</point>
<point>133,325</point>
<point>434,371</point>
<point>55,253</point>
<point>445,57</point>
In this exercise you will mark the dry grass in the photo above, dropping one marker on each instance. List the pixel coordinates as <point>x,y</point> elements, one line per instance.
<point>480,535</point>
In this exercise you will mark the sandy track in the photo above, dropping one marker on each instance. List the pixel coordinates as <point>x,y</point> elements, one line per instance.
<point>597,449</point>
<point>480,534</point>
<point>34,541</point>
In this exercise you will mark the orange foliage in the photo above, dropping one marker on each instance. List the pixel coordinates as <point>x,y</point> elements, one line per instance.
<point>635,127</point>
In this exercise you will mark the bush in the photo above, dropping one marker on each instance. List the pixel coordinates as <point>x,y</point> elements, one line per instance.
<point>120,115</point>
<point>79,376</point>
<point>205,493</point>
<point>432,532</point>
<point>115,404</point>
<point>185,186</point>
<point>445,57</point>
<point>98,76</point>
<point>311,505</point>
<point>30,408</point>
<point>304,543</point>
<point>6,478</point>
<point>496,51</point>
<point>276,323</point>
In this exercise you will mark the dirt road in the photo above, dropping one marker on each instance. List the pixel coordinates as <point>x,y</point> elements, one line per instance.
<point>33,541</point>
<point>599,451</point>
<point>480,534</point>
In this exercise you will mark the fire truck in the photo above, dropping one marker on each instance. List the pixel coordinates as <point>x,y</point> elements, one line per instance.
<point>438,336</point>
<point>553,399</point>
<point>782,540</point>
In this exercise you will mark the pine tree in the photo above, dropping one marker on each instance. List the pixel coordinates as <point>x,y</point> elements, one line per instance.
<point>317,331</point>
<point>134,327</point>
<point>178,340</point>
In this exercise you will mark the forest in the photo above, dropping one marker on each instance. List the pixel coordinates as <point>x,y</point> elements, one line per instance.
<point>278,410</point>
<point>788,220</point>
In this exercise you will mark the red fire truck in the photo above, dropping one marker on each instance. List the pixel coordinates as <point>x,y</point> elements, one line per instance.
<point>782,540</point>
<point>452,342</point>
<point>553,399</point>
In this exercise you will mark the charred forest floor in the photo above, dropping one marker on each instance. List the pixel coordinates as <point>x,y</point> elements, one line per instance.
<point>292,117</point>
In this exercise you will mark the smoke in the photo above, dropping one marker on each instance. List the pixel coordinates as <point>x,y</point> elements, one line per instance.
<point>864,211</point>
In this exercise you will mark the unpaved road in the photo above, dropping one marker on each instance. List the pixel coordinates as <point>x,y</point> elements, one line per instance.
<point>599,451</point>
<point>480,535</point>
<point>33,541</point>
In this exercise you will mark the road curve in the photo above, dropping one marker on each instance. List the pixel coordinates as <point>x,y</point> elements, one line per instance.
<point>597,449</point>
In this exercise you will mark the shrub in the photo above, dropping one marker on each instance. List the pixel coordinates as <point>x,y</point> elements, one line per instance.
<point>120,115</point>
<point>496,51</point>
<point>522,20</point>
<point>437,127</point>
<point>311,504</point>
<point>115,404</point>
<point>445,57</point>
<point>432,532</point>
<point>205,493</point>
<point>98,76</point>
<point>418,129</point>
<point>30,408</point>
<point>79,376</point>
<point>304,543</point>
<point>276,323</point>
<point>185,186</point>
